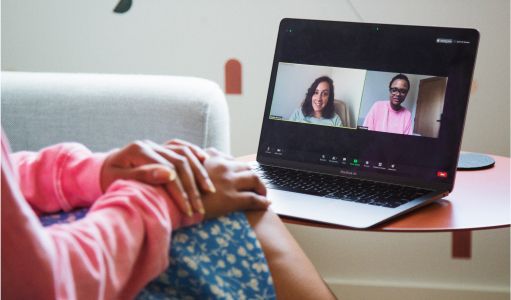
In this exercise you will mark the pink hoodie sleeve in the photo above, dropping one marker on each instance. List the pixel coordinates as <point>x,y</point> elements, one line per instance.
<point>59,177</point>
<point>120,245</point>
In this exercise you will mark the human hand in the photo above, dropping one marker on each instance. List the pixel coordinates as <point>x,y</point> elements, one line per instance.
<point>176,165</point>
<point>238,188</point>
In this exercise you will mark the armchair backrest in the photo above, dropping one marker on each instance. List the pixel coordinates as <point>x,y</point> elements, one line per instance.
<point>342,110</point>
<point>106,111</point>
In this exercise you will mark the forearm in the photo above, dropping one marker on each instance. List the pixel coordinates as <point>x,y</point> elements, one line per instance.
<point>294,275</point>
<point>120,246</point>
<point>113,252</point>
<point>59,177</point>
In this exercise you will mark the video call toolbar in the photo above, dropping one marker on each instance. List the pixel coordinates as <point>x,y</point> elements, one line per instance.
<point>340,160</point>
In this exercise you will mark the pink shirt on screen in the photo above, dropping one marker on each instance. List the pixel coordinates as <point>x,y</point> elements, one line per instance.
<point>381,117</point>
<point>114,251</point>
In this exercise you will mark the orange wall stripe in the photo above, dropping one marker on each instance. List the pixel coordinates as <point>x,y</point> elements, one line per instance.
<point>233,77</point>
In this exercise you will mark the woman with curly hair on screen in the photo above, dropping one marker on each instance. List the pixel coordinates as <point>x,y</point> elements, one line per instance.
<point>318,106</point>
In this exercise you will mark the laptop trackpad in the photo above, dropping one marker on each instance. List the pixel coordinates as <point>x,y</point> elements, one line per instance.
<point>322,209</point>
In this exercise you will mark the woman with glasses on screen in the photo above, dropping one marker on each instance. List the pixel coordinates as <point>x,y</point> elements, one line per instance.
<point>390,116</point>
<point>318,106</point>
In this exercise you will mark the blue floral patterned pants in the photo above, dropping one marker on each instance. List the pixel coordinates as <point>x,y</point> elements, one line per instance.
<point>216,259</point>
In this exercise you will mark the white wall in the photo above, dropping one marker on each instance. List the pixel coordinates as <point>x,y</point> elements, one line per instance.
<point>389,266</point>
<point>197,37</point>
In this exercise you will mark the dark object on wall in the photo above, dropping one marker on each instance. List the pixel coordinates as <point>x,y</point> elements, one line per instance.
<point>123,6</point>
<point>474,161</point>
<point>233,77</point>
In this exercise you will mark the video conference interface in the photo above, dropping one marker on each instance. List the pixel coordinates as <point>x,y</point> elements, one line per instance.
<point>357,99</point>
<point>338,104</point>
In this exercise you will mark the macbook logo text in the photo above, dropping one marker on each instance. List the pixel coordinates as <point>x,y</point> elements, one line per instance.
<point>348,172</point>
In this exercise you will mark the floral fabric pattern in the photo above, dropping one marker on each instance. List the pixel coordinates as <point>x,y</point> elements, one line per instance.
<point>216,259</point>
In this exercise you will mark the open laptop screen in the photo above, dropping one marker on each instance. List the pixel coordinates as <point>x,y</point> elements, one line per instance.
<point>369,100</point>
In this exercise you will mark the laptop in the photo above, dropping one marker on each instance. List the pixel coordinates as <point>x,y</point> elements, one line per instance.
<point>363,122</point>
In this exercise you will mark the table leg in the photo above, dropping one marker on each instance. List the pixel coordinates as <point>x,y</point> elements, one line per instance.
<point>462,244</point>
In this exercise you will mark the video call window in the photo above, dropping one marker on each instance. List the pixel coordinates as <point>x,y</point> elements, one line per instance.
<point>402,103</point>
<point>389,102</point>
<point>299,97</point>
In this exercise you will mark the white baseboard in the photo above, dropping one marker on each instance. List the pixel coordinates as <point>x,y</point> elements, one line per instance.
<point>362,290</point>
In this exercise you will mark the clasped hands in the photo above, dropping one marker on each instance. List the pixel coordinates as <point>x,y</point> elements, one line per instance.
<point>200,181</point>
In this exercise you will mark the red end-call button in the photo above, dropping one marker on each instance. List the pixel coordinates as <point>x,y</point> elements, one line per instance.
<point>441,174</point>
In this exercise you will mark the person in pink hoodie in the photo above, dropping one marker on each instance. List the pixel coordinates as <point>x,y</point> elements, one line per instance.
<point>390,116</point>
<point>129,222</point>
<point>137,196</point>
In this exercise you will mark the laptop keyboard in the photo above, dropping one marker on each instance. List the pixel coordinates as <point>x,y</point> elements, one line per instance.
<point>338,187</point>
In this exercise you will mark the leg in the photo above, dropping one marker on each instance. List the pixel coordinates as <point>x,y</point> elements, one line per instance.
<point>294,275</point>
